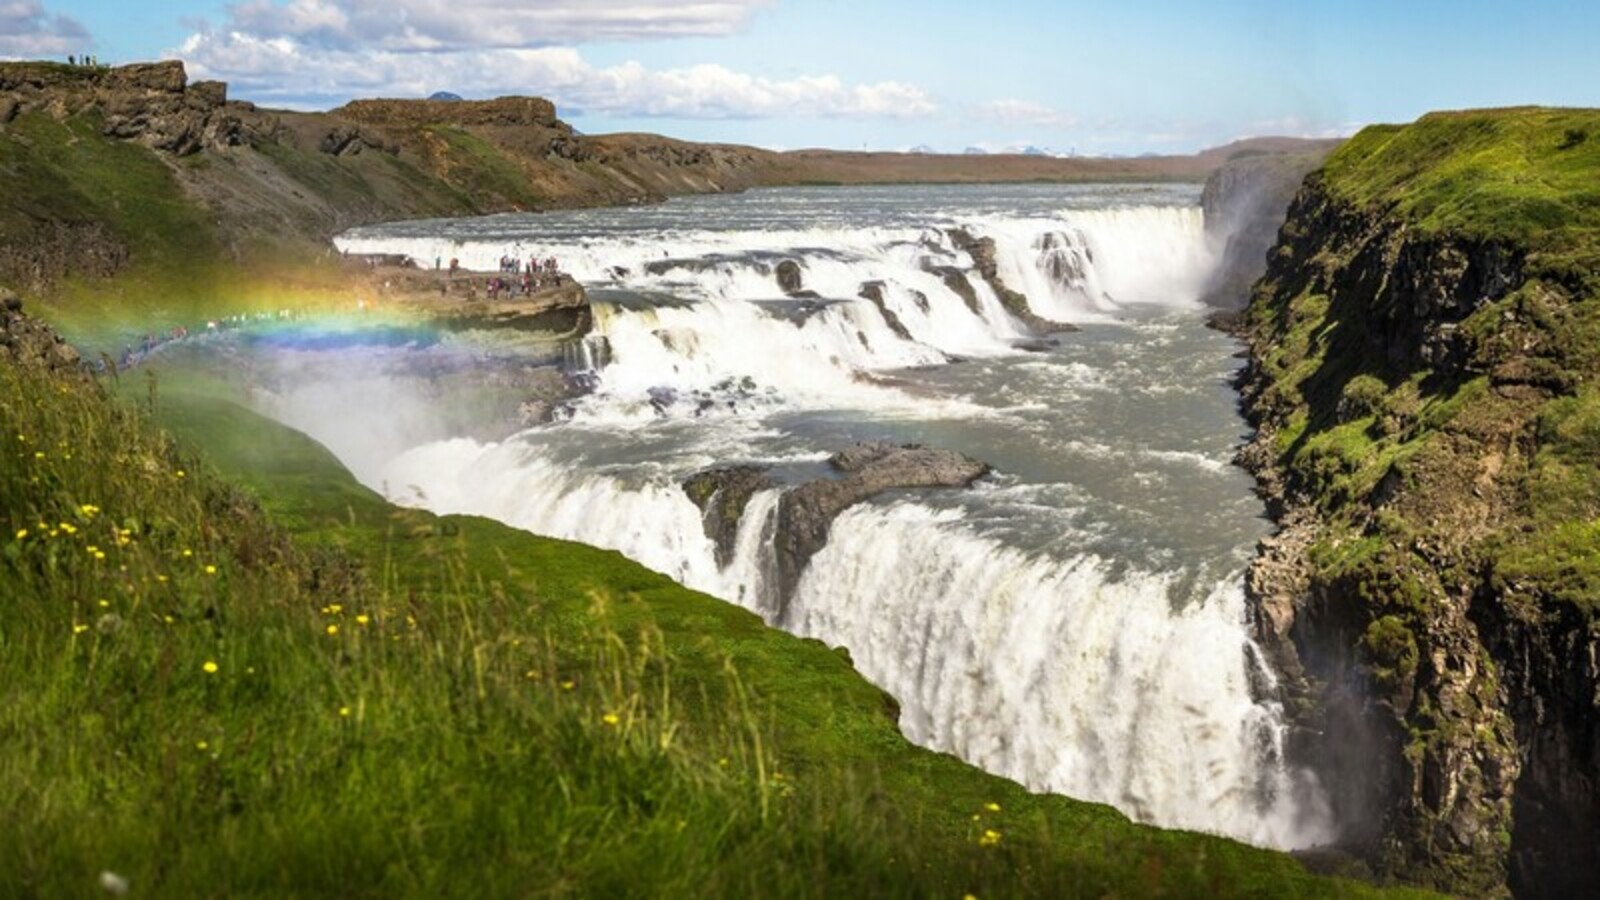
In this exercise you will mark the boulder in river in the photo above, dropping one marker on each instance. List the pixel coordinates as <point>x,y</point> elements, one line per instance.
<point>790,279</point>
<point>806,513</point>
<point>722,495</point>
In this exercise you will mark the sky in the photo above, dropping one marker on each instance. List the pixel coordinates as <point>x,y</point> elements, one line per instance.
<point>1094,78</point>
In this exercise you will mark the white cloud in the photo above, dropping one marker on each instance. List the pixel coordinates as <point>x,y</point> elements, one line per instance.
<point>1025,112</point>
<point>1297,126</point>
<point>27,30</point>
<point>431,25</point>
<point>283,69</point>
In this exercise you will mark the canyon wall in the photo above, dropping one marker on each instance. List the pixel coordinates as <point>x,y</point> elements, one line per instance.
<point>1422,374</point>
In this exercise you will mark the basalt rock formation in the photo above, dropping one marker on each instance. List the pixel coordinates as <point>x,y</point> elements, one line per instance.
<point>152,103</point>
<point>982,251</point>
<point>1422,375</point>
<point>722,495</point>
<point>806,511</point>
<point>872,292</point>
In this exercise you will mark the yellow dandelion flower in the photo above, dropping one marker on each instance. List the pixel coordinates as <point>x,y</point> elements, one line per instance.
<point>568,685</point>
<point>181,473</point>
<point>201,745</point>
<point>210,667</point>
<point>89,510</point>
<point>167,619</point>
<point>992,807</point>
<point>161,578</point>
<point>969,897</point>
<point>989,838</point>
<point>22,534</point>
<point>976,817</point>
<point>610,719</point>
<point>98,555</point>
<point>335,609</point>
<point>723,762</point>
<point>104,604</point>
<point>344,711</point>
<point>187,553</point>
<point>363,619</point>
<point>211,570</point>
<point>68,528</point>
<point>79,628</point>
<point>332,629</point>
<point>38,454</point>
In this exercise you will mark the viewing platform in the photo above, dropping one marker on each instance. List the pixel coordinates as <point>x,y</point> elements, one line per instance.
<point>553,302</point>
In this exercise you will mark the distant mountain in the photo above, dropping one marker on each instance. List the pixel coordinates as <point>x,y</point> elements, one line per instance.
<point>445,95</point>
<point>922,149</point>
<point>1035,151</point>
<point>975,151</point>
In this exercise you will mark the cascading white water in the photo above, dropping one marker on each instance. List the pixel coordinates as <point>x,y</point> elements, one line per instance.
<point>1024,657</point>
<point>1038,630</point>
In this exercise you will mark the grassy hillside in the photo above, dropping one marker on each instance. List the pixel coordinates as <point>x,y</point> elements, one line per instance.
<point>298,689</point>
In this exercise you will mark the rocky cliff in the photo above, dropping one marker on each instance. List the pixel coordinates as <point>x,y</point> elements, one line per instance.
<point>1423,376</point>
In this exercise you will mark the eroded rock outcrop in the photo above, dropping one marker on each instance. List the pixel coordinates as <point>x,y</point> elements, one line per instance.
<point>152,103</point>
<point>806,513</point>
<point>27,341</point>
<point>872,292</point>
<point>982,251</point>
<point>722,495</point>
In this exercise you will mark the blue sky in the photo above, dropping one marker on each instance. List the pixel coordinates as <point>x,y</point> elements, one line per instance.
<point>1097,77</point>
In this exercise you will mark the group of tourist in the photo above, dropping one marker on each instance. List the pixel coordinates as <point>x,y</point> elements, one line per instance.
<point>520,278</point>
<point>510,265</point>
<point>133,355</point>
<point>90,61</point>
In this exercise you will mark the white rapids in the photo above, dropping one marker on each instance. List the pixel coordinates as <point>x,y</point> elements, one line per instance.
<point>1076,623</point>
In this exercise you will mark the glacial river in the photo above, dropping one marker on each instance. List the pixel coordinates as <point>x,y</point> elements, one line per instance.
<point>1075,621</point>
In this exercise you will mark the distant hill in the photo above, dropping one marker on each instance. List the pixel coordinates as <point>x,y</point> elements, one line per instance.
<point>444,95</point>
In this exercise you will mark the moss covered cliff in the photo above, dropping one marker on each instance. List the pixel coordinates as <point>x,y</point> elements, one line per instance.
<point>1425,347</point>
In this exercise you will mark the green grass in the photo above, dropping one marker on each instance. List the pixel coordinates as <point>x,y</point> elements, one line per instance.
<point>479,169</point>
<point>407,705</point>
<point>1523,176</point>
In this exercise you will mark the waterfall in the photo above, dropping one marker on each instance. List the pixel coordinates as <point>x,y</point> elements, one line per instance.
<point>1069,665</point>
